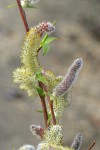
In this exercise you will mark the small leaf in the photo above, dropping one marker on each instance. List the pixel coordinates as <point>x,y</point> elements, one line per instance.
<point>49,40</point>
<point>40,77</point>
<point>49,118</point>
<point>40,91</point>
<point>40,111</point>
<point>45,48</point>
<point>11,6</point>
<point>44,39</point>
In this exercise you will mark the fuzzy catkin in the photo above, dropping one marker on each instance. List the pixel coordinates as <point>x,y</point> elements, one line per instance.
<point>29,53</point>
<point>77,142</point>
<point>53,135</point>
<point>37,130</point>
<point>52,80</point>
<point>25,75</point>
<point>27,147</point>
<point>47,146</point>
<point>65,85</point>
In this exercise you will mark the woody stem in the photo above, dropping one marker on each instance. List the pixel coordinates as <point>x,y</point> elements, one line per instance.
<point>51,106</point>
<point>23,16</point>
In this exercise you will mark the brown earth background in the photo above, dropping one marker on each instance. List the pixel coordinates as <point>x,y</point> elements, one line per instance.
<point>78,29</point>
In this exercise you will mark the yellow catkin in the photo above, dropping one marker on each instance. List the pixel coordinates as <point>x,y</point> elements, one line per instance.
<point>47,146</point>
<point>52,80</point>
<point>25,79</point>
<point>25,75</point>
<point>53,135</point>
<point>29,55</point>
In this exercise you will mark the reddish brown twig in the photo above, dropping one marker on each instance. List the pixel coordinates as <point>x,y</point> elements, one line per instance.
<point>92,145</point>
<point>44,106</point>
<point>52,110</point>
<point>51,106</point>
<point>23,16</point>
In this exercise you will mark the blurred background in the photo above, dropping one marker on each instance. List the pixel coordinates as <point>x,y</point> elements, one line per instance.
<point>78,29</point>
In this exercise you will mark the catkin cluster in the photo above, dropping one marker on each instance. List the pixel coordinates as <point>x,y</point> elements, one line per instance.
<point>58,88</point>
<point>25,76</point>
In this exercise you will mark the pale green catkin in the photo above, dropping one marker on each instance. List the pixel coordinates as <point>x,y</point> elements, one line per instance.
<point>25,75</point>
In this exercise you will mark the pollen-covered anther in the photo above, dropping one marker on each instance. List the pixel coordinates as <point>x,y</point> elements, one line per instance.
<point>37,130</point>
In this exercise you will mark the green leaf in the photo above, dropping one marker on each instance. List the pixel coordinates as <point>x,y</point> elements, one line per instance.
<point>45,48</point>
<point>40,77</point>
<point>40,111</point>
<point>43,40</point>
<point>49,40</point>
<point>44,44</point>
<point>49,118</point>
<point>11,6</point>
<point>40,91</point>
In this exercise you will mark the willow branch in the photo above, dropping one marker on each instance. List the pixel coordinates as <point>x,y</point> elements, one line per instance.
<point>51,106</point>
<point>92,145</point>
<point>23,16</point>
<point>52,110</point>
<point>43,105</point>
